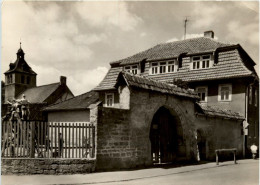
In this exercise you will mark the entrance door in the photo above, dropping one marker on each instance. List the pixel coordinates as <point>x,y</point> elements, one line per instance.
<point>163,137</point>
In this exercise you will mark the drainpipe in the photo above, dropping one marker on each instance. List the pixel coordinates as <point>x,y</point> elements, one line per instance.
<point>244,136</point>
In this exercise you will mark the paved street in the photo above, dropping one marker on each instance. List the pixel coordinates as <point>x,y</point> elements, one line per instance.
<point>245,172</point>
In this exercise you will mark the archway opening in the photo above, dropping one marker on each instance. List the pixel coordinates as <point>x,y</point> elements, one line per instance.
<point>166,137</point>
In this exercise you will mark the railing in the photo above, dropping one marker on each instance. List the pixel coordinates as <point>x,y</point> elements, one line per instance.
<point>233,150</point>
<point>35,139</point>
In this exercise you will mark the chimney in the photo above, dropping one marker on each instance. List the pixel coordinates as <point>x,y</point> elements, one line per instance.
<point>63,80</point>
<point>209,34</point>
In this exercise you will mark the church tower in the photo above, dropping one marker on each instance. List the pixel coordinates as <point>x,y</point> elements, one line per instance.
<point>19,77</point>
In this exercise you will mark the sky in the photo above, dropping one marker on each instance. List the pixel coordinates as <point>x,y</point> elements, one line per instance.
<point>78,39</point>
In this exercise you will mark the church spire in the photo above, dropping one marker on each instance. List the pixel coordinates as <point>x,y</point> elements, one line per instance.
<point>20,53</point>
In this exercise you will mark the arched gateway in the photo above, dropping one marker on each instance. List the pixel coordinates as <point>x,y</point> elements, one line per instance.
<point>166,137</point>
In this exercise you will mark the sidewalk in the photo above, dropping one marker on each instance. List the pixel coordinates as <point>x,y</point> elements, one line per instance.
<point>115,176</point>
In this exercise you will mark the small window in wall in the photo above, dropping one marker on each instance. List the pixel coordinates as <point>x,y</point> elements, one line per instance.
<point>225,92</point>
<point>109,99</point>
<point>202,93</point>
<point>250,97</point>
<point>256,97</point>
<point>22,79</point>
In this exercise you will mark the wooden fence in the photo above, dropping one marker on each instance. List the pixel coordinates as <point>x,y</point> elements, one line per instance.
<point>35,139</point>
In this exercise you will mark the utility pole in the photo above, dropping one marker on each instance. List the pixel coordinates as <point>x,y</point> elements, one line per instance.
<point>185,25</point>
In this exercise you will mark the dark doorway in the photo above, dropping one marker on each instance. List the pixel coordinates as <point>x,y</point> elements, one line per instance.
<point>164,137</point>
<point>201,141</point>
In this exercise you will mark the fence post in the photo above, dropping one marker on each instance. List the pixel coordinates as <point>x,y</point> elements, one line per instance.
<point>94,141</point>
<point>32,152</point>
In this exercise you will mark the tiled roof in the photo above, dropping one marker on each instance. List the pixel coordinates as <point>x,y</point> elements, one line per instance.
<point>219,112</point>
<point>20,65</point>
<point>174,49</point>
<point>149,84</point>
<point>40,93</point>
<point>231,64</point>
<point>110,79</point>
<point>82,101</point>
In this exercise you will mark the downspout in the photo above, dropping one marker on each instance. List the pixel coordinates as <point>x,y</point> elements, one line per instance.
<point>246,116</point>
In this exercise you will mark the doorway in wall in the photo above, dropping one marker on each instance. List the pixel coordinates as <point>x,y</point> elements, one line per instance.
<point>165,136</point>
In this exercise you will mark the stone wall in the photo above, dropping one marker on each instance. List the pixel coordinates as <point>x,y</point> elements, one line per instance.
<point>220,133</point>
<point>47,166</point>
<point>113,140</point>
<point>123,135</point>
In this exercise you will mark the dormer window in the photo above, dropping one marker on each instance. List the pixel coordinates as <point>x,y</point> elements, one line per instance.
<point>163,67</point>
<point>201,62</point>
<point>154,68</point>
<point>131,69</point>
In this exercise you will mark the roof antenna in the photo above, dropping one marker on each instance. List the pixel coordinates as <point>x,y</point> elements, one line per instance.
<point>185,25</point>
<point>20,43</point>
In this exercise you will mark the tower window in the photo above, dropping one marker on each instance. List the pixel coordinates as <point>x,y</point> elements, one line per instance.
<point>22,79</point>
<point>28,80</point>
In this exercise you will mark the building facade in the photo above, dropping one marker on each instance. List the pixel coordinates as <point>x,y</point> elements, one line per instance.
<point>222,74</point>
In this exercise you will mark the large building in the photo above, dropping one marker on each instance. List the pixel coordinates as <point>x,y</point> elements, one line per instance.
<point>222,74</point>
<point>143,117</point>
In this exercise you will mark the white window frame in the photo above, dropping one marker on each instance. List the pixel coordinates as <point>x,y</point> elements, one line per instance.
<point>106,98</point>
<point>154,69</point>
<point>206,93</point>
<point>230,92</point>
<point>132,69</point>
<point>157,67</point>
<point>162,67</point>
<point>198,63</point>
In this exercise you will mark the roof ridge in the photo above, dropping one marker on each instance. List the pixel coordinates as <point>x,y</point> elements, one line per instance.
<point>36,87</point>
<point>44,85</point>
<point>195,38</point>
<point>156,81</point>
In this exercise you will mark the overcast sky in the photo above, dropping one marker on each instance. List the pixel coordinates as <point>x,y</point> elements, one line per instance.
<point>79,39</point>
